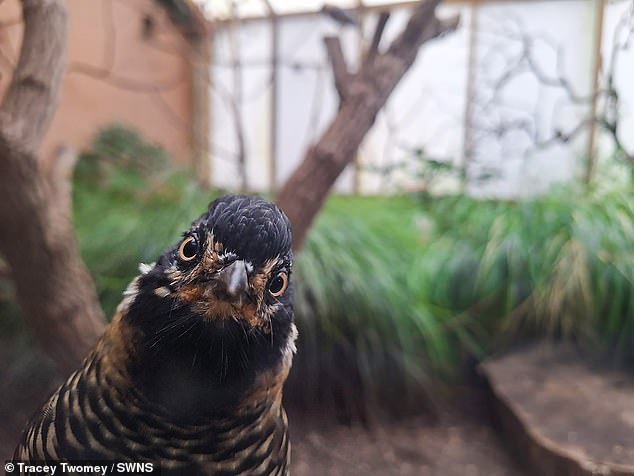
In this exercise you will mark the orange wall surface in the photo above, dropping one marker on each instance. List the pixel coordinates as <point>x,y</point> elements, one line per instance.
<point>118,69</point>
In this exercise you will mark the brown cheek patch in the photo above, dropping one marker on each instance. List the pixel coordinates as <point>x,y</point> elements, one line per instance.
<point>203,301</point>
<point>250,314</point>
<point>206,304</point>
<point>190,293</point>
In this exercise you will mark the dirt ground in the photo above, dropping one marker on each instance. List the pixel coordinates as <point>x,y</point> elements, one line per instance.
<point>452,447</point>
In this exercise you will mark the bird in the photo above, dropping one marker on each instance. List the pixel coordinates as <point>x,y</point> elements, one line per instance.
<point>189,373</point>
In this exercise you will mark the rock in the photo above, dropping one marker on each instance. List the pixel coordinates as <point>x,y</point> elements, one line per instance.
<point>562,416</point>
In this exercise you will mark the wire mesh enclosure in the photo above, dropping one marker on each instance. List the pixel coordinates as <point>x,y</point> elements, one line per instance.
<point>521,96</point>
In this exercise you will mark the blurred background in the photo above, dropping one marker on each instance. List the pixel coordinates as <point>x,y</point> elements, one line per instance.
<point>470,274</point>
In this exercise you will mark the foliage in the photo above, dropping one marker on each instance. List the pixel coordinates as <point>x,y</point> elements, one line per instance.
<point>116,148</point>
<point>367,335</point>
<point>558,265</point>
<point>397,297</point>
<point>392,293</point>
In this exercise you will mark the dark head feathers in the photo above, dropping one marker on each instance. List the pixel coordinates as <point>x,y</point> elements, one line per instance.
<point>250,226</point>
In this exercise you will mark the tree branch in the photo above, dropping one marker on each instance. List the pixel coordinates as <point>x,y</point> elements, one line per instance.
<point>338,64</point>
<point>376,38</point>
<point>420,20</point>
<point>30,101</point>
<point>53,286</point>
<point>303,194</point>
<point>494,119</point>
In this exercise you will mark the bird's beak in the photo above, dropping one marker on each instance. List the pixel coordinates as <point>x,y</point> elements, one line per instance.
<point>232,282</point>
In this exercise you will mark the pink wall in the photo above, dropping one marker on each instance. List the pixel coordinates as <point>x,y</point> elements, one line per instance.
<point>115,73</point>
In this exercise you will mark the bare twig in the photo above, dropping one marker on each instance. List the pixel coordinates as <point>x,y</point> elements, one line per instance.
<point>378,34</point>
<point>29,95</point>
<point>339,66</point>
<point>235,100</point>
<point>274,62</point>
<point>525,62</point>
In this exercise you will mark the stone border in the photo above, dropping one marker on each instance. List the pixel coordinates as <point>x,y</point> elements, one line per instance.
<point>544,456</point>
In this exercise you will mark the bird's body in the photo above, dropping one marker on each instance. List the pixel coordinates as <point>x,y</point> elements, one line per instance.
<point>189,374</point>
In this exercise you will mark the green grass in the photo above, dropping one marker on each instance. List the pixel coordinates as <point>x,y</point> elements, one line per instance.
<point>397,293</point>
<point>559,265</point>
<point>366,335</point>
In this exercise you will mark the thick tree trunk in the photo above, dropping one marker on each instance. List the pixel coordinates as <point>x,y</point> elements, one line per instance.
<point>53,286</point>
<point>362,94</point>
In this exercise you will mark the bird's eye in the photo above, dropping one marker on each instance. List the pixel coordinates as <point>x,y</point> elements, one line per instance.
<point>278,284</point>
<point>188,249</point>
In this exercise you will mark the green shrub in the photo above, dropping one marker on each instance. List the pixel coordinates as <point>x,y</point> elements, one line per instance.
<point>397,306</point>
<point>367,336</point>
<point>118,149</point>
<point>558,265</point>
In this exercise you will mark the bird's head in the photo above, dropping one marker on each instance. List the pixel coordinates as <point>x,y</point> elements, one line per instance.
<point>218,302</point>
<point>233,263</point>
